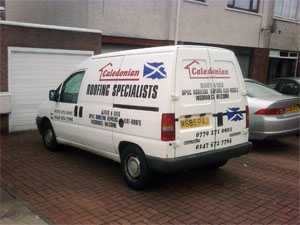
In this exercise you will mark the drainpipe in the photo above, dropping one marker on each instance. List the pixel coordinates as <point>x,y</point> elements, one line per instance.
<point>177,23</point>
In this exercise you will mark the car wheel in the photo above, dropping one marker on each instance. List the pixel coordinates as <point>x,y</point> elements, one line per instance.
<point>134,168</point>
<point>217,165</point>
<point>49,137</point>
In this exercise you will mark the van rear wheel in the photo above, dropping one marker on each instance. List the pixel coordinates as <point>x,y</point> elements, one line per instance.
<point>134,168</point>
<point>49,137</point>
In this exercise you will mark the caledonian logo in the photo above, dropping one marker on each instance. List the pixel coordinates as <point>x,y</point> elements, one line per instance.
<point>108,72</point>
<point>197,72</point>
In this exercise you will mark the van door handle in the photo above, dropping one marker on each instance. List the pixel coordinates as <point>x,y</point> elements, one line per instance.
<point>75,110</point>
<point>80,111</point>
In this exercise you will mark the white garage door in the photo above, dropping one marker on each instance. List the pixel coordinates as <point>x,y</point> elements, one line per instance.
<point>32,73</point>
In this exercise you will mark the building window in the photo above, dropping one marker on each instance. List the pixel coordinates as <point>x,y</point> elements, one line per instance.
<point>2,12</point>
<point>282,64</point>
<point>249,5</point>
<point>197,1</point>
<point>286,8</point>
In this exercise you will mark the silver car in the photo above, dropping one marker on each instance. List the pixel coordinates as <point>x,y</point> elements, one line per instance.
<point>286,85</point>
<point>271,114</point>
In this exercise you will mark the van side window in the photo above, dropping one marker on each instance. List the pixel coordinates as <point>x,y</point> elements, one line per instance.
<point>71,87</point>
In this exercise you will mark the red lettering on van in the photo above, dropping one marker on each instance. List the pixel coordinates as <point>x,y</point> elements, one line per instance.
<point>197,72</point>
<point>108,73</point>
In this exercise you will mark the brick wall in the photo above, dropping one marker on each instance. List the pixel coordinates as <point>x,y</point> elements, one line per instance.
<point>18,36</point>
<point>259,67</point>
<point>135,41</point>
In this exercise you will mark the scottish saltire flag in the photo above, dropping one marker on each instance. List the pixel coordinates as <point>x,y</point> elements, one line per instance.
<point>233,114</point>
<point>154,70</point>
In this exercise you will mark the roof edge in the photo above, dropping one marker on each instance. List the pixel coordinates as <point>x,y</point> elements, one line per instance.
<point>167,48</point>
<point>44,26</point>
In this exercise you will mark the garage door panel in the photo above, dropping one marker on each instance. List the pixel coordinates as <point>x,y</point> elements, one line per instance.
<point>42,71</point>
<point>24,62</point>
<point>25,85</point>
<point>24,127</point>
<point>24,91</point>
<point>51,57</point>
<point>24,121</point>
<point>32,73</point>
<point>23,98</point>
<point>19,111</point>
<point>48,66</point>
<point>32,104</point>
<point>27,120</point>
<point>46,78</point>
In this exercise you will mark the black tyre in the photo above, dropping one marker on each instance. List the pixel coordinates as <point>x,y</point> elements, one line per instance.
<point>217,165</point>
<point>49,137</point>
<point>134,168</point>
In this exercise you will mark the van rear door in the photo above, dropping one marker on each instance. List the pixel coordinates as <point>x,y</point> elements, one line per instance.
<point>195,106</point>
<point>230,98</point>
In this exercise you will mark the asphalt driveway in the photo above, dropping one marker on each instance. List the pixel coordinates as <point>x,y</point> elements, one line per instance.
<point>76,187</point>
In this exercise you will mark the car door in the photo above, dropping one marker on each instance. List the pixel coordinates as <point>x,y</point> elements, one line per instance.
<point>64,120</point>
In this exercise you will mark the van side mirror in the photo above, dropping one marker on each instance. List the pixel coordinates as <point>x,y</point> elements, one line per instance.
<point>53,95</point>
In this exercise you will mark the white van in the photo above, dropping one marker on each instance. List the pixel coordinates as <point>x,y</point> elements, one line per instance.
<point>160,109</point>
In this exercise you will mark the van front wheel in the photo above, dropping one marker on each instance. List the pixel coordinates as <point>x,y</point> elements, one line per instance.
<point>134,168</point>
<point>49,137</point>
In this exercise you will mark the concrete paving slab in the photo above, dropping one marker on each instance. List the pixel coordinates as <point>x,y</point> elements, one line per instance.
<point>13,211</point>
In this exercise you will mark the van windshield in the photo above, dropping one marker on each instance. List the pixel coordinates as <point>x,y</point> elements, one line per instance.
<point>259,90</point>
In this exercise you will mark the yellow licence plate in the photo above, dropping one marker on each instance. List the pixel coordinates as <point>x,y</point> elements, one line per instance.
<point>195,122</point>
<point>291,109</point>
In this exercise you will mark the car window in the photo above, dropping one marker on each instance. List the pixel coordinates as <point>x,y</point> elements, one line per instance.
<point>71,87</point>
<point>272,84</point>
<point>288,87</point>
<point>259,90</point>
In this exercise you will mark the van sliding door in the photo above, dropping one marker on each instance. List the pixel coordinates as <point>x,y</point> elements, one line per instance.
<point>97,119</point>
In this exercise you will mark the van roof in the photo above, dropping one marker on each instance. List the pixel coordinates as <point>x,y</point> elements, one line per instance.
<point>151,50</point>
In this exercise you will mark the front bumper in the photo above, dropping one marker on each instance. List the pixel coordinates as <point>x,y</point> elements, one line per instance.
<point>197,160</point>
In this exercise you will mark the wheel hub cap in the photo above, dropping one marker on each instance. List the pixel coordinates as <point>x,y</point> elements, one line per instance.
<point>133,167</point>
<point>49,136</point>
